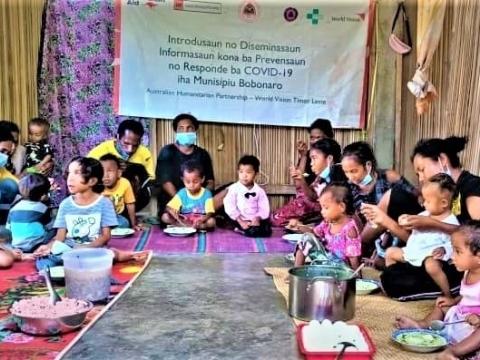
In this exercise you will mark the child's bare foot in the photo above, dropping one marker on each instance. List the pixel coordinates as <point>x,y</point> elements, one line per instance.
<point>122,256</point>
<point>404,322</point>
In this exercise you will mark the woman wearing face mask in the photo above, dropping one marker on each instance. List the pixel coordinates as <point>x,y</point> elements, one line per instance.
<point>8,182</point>
<point>324,158</point>
<point>172,156</point>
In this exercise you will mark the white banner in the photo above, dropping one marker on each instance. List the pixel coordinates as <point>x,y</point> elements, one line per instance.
<point>263,62</point>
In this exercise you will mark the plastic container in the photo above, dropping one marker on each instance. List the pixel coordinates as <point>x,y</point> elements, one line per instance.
<point>87,273</point>
<point>330,355</point>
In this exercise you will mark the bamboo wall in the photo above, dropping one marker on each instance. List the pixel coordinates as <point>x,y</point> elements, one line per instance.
<point>455,73</point>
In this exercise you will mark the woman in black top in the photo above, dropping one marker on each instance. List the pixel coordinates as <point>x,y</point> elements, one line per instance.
<point>172,156</point>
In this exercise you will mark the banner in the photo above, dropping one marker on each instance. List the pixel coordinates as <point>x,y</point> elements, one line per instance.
<point>262,62</point>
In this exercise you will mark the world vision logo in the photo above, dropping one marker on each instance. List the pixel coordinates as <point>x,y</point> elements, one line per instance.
<point>315,15</point>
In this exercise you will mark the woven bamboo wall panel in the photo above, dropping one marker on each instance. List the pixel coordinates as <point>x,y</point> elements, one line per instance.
<point>455,72</point>
<point>20,24</point>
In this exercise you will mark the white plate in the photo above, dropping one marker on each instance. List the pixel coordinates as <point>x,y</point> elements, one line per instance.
<point>365,286</point>
<point>57,272</point>
<point>292,238</point>
<point>122,232</point>
<point>179,231</point>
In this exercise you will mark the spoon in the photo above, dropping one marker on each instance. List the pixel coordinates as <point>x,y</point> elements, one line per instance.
<point>439,324</point>
<point>54,297</point>
<point>346,344</point>
<point>356,272</point>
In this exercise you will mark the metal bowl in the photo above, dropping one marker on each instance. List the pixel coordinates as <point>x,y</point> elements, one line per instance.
<point>420,348</point>
<point>46,326</point>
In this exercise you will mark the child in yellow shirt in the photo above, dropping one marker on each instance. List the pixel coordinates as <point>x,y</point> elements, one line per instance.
<point>119,190</point>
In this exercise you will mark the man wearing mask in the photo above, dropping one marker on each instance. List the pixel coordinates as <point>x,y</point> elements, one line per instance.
<point>172,156</point>
<point>138,158</point>
<point>8,181</point>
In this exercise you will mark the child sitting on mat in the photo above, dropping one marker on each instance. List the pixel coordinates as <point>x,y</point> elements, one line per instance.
<point>464,337</point>
<point>119,190</point>
<point>192,205</point>
<point>85,218</point>
<point>246,203</point>
<point>338,231</point>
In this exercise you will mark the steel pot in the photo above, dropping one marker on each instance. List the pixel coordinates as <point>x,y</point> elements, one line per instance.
<point>321,292</point>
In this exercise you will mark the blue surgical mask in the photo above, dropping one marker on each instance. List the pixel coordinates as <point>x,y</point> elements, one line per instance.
<point>366,180</point>
<point>123,154</point>
<point>3,160</point>
<point>325,174</point>
<point>186,138</point>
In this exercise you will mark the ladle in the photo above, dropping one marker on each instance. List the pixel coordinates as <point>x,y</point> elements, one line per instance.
<point>439,324</point>
<point>54,297</point>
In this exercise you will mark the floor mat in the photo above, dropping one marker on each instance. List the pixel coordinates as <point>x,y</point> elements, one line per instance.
<point>22,281</point>
<point>218,241</point>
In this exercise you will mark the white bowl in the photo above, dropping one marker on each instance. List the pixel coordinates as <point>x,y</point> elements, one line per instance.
<point>292,238</point>
<point>122,232</point>
<point>365,287</point>
<point>179,231</point>
<point>428,340</point>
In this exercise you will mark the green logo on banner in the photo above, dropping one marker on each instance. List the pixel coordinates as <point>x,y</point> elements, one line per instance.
<point>314,16</point>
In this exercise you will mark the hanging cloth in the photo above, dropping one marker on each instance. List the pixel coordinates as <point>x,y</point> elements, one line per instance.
<point>394,41</point>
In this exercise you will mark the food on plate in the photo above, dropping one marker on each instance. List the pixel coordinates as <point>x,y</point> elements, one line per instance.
<point>421,338</point>
<point>364,286</point>
<point>122,231</point>
<point>39,307</point>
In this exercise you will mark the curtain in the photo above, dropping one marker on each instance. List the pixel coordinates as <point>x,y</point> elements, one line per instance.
<point>75,82</point>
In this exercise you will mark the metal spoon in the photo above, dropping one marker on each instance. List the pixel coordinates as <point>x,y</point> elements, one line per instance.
<point>439,324</point>
<point>54,297</point>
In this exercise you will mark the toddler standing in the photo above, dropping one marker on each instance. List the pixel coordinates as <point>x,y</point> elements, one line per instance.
<point>338,231</point>
<point>246,203</point>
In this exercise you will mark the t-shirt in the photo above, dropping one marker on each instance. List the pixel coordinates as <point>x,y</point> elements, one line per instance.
<point>186,203</point>
<point>170,160</point>
<point>5,174</point>
<point>120,194</point>
<point>467,185</point>
<point>421,243</point>
<point>26,221</point>
<point>84,223</point>
<point>141,156</point>
<point>36,152</point>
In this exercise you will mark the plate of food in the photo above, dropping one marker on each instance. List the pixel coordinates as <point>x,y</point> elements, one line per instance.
<point>122,232</point>
<point>292,238</point>
<point>179,231</point>
<point>366,286</point>
<point>419,340</point>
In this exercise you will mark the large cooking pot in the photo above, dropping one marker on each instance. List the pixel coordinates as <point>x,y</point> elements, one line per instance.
<point>321,292</point>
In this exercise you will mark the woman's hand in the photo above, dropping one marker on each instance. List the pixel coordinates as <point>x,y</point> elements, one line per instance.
<point>443,301</point>
<point>410,222</point>
<point>473,320</point>
<point>296,174</point>
<point>373,214</point>
<point>244,224</point>
<point>302,148</point>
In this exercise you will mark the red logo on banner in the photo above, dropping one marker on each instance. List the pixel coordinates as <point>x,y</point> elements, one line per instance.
<point>178,4</point>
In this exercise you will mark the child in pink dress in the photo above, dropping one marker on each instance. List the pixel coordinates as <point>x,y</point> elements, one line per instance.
<point>464,337</point>
<point>338,231</point>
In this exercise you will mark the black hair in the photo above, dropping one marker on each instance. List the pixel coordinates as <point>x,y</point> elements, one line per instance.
<point>111,157</point>
<point>471,229</point>
<point>341,194</point>
<point>329,147</point>
<point>323,125</point>
<point>363,153</point>
<point>445,183</point>
<point>433,148</point>
<point>6,134</point>
<point>191,166</point>
<point>9,125</point>
<point>132,125</point>
<point>33,186</point>
<point>39,122</point>
<point>250,160</point>
<point>91,169</point>
<point>190,117</point>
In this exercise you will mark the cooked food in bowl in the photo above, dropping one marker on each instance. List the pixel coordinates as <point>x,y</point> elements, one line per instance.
<point>419,340</point>
<point>364,286</point>
<point>37,316</point>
